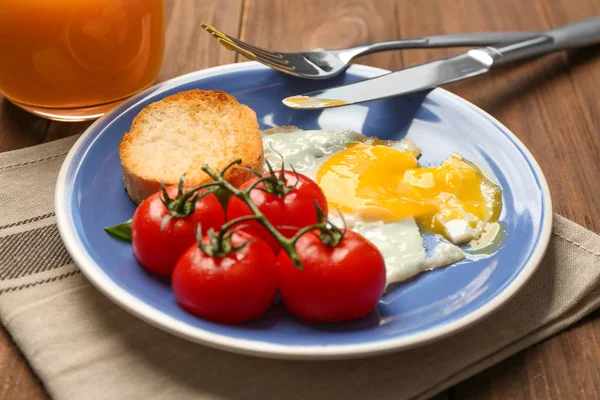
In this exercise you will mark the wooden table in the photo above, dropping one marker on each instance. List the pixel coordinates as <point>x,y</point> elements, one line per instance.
<point>552,104</point>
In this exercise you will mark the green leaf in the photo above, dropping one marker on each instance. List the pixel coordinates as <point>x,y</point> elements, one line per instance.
<point>121,231</point>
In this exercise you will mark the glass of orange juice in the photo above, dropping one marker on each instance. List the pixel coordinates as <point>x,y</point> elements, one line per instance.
<point>72,60</point>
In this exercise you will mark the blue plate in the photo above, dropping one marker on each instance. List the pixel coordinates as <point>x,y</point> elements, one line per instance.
<point>89,196</point>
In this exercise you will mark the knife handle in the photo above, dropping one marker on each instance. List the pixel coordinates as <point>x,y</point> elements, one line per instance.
<point>577,34</point>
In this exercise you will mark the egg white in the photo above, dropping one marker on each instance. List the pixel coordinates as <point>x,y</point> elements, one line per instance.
<point>400,242</point>
<point>305,150</point>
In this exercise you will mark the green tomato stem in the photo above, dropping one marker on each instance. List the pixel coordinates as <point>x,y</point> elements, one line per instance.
<point>288,245</point>
<point>225,228</point>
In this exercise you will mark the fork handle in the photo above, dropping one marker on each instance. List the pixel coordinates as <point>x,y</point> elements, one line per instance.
<point>472,39</point>
<point>577,34</point>
<point>477,39</point>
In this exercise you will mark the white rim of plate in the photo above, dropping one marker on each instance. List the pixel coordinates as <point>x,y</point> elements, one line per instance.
<point>163,321</point>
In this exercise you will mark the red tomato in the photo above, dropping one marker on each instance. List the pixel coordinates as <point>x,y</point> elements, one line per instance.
<point>290,213</point>
<point>231,289</point>
<point>158,250</point>
<point>338,283</point>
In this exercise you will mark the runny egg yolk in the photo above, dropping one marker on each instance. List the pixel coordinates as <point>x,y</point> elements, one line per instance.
<point>377,182</point>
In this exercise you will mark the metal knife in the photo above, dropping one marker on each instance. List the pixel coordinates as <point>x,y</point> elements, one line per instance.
<point>432,74</point>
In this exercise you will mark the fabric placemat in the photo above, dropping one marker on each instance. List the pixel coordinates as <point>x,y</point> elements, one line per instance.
<point>82,346</point>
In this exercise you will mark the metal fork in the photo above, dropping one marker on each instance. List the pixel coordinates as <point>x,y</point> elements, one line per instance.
<point>328,63</point>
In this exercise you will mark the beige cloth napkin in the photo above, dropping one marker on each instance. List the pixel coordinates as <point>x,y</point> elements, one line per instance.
<point>82,346</point>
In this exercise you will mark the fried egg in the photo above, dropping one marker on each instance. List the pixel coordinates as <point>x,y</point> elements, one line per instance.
<point>381,192</point>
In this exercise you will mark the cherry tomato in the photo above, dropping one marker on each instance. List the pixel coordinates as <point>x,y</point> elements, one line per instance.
<point>338,283</point>
<point>158,249</point>
<point>231,289</point>
<point>288,213</point>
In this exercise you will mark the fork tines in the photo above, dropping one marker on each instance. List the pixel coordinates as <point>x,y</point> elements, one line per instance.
<point>271,59</point>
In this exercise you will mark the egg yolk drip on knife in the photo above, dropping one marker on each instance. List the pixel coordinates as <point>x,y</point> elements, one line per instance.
<point>378,182</point>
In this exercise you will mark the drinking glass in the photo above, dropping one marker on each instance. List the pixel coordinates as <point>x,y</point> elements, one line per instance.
<point>72,60</point>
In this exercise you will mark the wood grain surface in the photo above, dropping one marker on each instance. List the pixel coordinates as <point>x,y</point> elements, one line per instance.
<point>551,103</point>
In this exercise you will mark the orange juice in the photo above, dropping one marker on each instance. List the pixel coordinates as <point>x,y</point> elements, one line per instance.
<point>60,56</point>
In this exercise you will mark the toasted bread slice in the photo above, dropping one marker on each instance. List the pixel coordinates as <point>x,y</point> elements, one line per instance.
<point>182,132</point>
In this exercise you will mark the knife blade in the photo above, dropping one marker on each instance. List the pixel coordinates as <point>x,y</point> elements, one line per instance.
<point>409,80</point>
<point>429,75</point>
